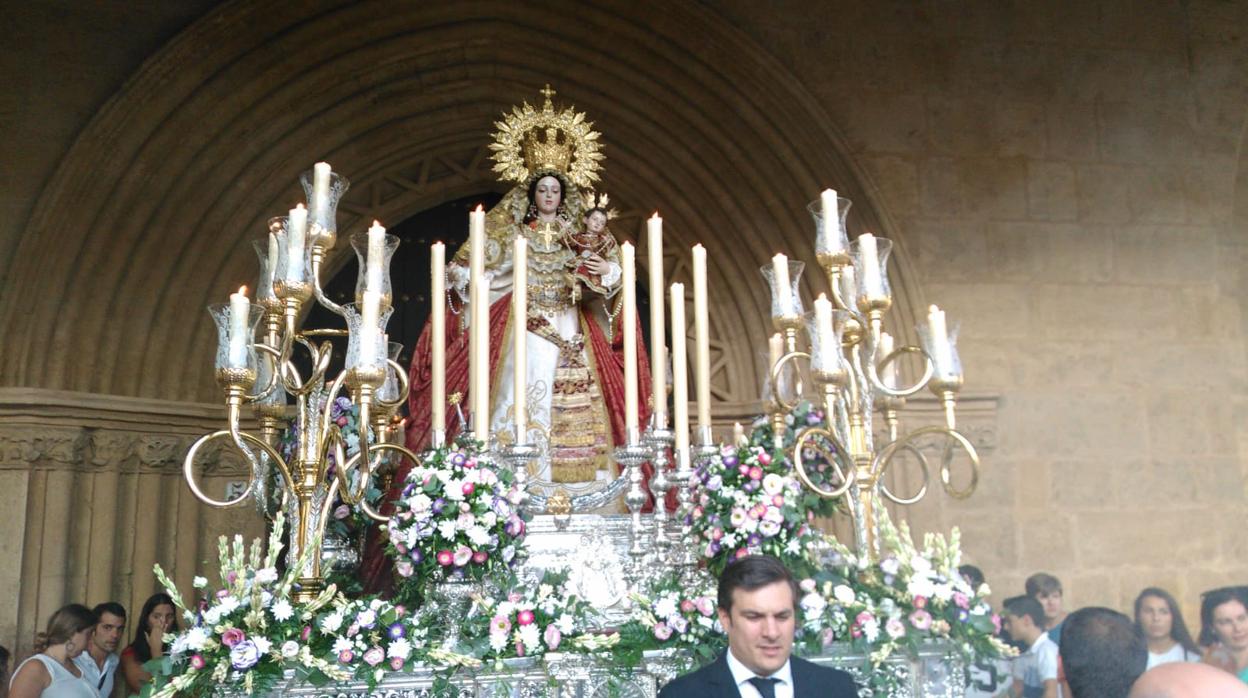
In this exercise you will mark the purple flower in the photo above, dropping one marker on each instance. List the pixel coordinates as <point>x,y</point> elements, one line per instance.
<point>342,512</point>
<point>754,539</point>
<point>813,418</point>
<point>514,526</point>
<point>438,505</point>
<point>396,631</point>
<point>458,459</point>
<point>416,555</point>
<point>731,461</point>
<point>407,491</point>
<point>963,615</point>
<point>343,402</point>
<point>244,655</point>
<point>714,483</point>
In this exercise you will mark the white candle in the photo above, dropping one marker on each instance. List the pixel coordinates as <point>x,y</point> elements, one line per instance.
<point>437,330</point>
<point>872,282</point>
<point>479,343</point>
<point>370,328</point>
<point>831,241</point>
<point>828,347</point>
<point>784,293</point>
<point>628,262</point>
<point>738,435</point>
<point>520,336</point>
<point>885,347</point>
<point>775,352</point>
<point>240,310</point>
<point>320,192</point>
<point>941,355</point>
<point>658,323</point>
<point>680,372</point>
<point>273,271</point>
<point>373,267</point>
<point>702,327</point>
<point>296,243</point>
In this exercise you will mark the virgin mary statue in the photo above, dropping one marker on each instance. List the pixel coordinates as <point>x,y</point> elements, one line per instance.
<point>575,354</point>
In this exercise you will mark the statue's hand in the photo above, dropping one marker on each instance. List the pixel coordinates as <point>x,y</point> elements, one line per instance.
<point>597,265</point>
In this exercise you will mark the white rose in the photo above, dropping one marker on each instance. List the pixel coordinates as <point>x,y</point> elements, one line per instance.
<point>290,649</point>
<point>266,575</point>
<point>199,582</point>
<point>843,594</point>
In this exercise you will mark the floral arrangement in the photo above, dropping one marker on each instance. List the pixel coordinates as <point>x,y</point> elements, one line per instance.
<point>243,636</point>
<point>367,637</point>
<point>911,595</point>
<point>531,620</point>
<point>748,501</point>
<point>455,517</point>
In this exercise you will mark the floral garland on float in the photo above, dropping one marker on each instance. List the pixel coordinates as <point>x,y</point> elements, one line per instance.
<point>457,518</point>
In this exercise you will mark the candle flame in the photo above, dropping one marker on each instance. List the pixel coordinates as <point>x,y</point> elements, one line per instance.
<point>479,209</point>
<point>299,207</point>
<point>654,215</point>
<point>376,223</point>
<point>242,290</point>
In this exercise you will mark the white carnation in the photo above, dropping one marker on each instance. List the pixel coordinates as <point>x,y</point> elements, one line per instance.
<point>400,648</point>
<point>331,623</point>
<point>282,610</point>
<point>531,638</point>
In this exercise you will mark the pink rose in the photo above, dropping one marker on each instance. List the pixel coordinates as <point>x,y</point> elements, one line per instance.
<point>404,568</point>
<point>232,637</point>
<point>307,632</point>
<point>863,618</point>
<point>353,630</point>
<point>374,656</point>
<point>764,458</point>
<point>744,470</point>
<point>777,500</point>
<point>445,558</point>
<point>469,488</point>
<point>400,610</point>
<point>342,421</point>
<point>717,533</point>
<point>960,600</point>
<point>921,619</point>
<point>480,557</point>
<point>552,637</point>
<point>706,606</point>
<point>463,554</point>
<point>197,662</point>
<point>519,648</point>
<point>920,602</point>
<point>662,632</point>
<point>514,597</point>
<point>756,473</point>
<point>686,606</point>
<point>525,617</point>
<point>807,585</point>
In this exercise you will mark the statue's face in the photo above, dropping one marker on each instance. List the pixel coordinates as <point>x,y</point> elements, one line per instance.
<point>596,222</point>
<point>547,195</point>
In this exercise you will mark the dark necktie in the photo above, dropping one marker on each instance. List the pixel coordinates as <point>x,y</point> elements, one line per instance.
<point>766,687</point>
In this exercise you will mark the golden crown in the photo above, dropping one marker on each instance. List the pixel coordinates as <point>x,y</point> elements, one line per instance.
<point>530,142</point>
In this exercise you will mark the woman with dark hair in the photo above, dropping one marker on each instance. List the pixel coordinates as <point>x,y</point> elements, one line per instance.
<point>157,618</point>
<point>51,672</point>
<point>1159,620</point>
<point>1224,629</point>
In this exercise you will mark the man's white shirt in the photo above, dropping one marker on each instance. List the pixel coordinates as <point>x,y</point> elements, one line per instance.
<point>742,675</point>
<point>92,673</point>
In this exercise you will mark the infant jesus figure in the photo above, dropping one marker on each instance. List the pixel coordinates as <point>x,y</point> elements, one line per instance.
<point>594,246</point>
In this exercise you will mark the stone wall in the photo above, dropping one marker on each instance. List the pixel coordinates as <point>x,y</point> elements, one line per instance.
<point>1062,178</point>
<point>1067,171</point>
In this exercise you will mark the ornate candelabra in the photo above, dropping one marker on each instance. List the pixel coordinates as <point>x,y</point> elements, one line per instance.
<point>854,370</point>
<point>318,470</point>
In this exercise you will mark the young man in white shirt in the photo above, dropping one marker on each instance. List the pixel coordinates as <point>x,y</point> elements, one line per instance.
<point>99,663</point>
<point>1035,670</point>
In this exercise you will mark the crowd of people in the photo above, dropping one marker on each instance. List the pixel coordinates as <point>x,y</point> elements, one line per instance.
<point>77,656</point>
<point>1098,652</point>
<point>1094,652</point>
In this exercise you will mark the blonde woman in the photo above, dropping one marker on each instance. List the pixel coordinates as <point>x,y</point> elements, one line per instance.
<point>51,672</point>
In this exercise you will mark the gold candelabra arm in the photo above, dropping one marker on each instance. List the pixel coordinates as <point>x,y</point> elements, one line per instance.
<point>956,439</point>
<point>356,462</point>
<point>318,255</point>
<point>268,353</point>
<point>188,468</point>
<point>774,380</point>
<point>814,439</point>
<point>872,371</point>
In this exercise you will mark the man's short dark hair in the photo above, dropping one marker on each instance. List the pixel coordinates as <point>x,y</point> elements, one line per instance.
<point>109,607</point>
<point>1042,583</point>
<point>753,572</point>
<point>1102,652</point>
<point>1019,606</point>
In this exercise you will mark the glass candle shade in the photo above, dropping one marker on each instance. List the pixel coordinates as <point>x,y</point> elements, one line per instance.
<point>831,242</point>
<point>795,279</point>
<point>389,390</point>
<point>826,355</point>
<point>946,366</point>
<point>870,258</point>
<point>267,253</point>
<point>235,338</point>
<point>375,277</point>
<point>366,346</point>
<point>323,207</point>
<point>292,275</point>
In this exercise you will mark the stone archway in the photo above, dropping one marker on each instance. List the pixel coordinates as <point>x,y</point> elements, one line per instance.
<point>149,216</point>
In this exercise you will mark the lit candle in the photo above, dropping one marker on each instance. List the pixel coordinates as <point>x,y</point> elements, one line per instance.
<point>831,242</point>
<point>373,262</point>
<point>882,350</point>
<point>240,309</point>
<point>784,293</point>
<point>936,327</point>
<point>827,338</point>
<point>702,327</point>
<point>738,435</point>
<point>628,262</point>
<point>437,329</point>
<point>658,323</point>
<point>479,348</point>
<point>775,352</point>
<point>320,192</point>
<point>296,243</point>
<point>680,372</point>
<point>872,282</point>
<point>370,329</point>
<point>520,335</point>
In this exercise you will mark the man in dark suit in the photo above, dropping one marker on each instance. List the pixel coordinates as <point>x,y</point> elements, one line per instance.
<point>758,609</point>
